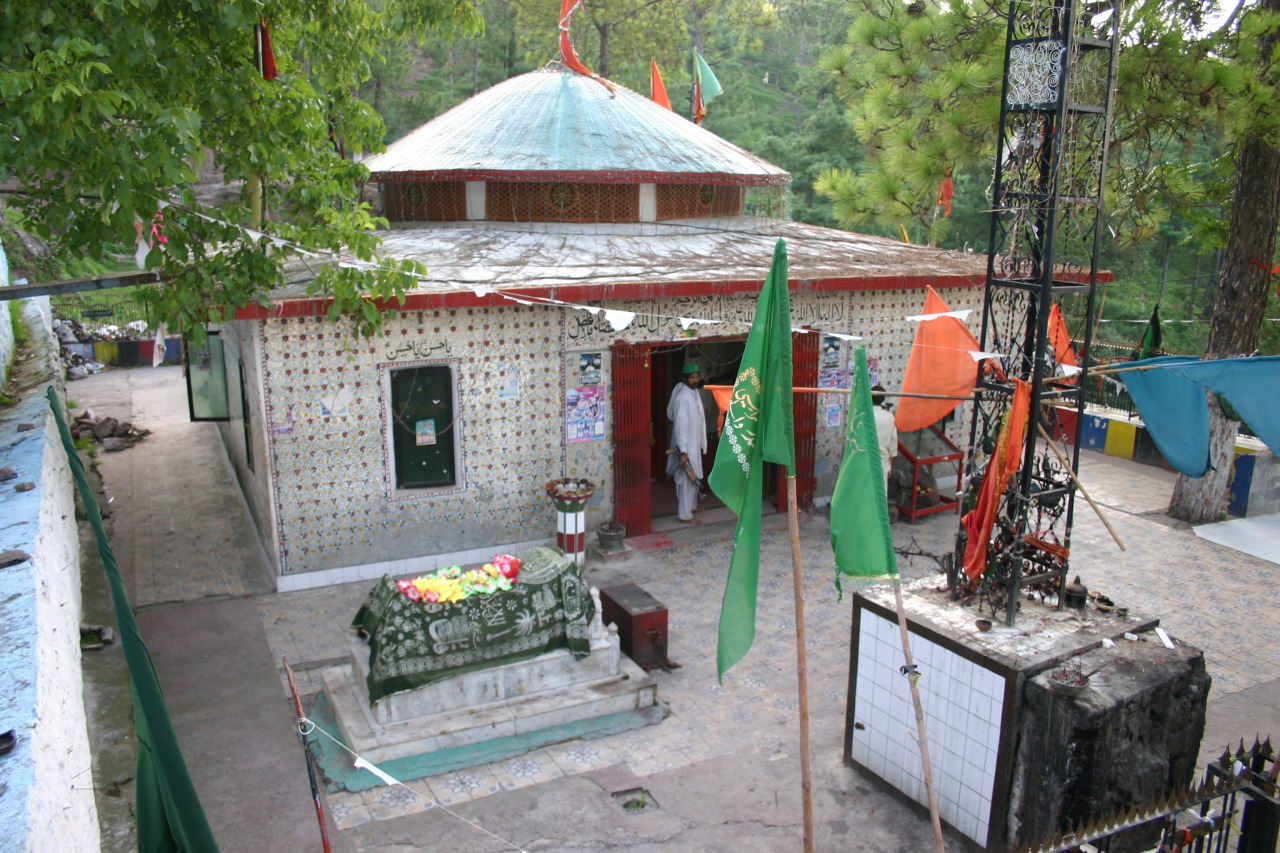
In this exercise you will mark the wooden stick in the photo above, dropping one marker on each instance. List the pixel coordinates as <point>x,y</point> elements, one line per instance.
<point>800,390</point>
<point>922,741</point>
<point>805,390</point>
<point>306,753</point>
<point>1101,371</point>
<point>1079,485</point>
<point>802,668</point>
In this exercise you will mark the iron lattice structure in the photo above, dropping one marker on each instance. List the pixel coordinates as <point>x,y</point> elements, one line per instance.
<point>1055,127</point>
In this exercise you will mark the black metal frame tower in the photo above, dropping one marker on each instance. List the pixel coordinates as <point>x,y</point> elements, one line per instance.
<point>1046,223</point>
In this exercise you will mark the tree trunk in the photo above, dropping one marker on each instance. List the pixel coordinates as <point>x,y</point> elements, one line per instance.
<point>606,48</point>
<point>1241,300</point>
<point>1205,499</point>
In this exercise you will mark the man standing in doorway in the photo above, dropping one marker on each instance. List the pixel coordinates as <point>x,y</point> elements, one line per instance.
<point>688,442</point>
<point>886,432</point>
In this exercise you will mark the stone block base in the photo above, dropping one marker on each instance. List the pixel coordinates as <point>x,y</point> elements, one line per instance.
<point>545,692</point>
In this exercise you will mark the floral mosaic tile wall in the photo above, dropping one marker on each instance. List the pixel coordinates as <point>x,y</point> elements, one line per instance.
<point>519,370</point>
<point>327,414</point>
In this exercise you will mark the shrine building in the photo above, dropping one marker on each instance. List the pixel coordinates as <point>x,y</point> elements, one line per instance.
<point>581,244</point>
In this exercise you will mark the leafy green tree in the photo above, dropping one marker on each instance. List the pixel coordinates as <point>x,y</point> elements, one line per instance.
<point>922,80</point>
<point>110,109</point>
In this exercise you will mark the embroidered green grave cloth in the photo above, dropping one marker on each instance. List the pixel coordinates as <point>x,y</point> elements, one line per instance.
<point>412,643</point>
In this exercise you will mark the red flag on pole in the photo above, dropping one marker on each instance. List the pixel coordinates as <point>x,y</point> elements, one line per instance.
<point>657,90</point>
<point>263,55</point>
<point>568,55</point>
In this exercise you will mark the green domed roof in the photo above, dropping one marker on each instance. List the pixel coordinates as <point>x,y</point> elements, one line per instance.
<point>557,124</point>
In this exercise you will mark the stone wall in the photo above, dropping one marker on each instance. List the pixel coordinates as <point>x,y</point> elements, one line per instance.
<point>48,801</point>
<point>1129,739</point>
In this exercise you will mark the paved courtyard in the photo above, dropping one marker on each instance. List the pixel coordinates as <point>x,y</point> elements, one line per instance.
<point>722,769</point>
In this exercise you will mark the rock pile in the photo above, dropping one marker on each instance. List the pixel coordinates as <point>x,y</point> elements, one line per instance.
<point>107,431</point>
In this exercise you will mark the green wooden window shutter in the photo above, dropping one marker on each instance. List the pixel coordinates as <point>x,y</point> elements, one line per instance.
<point>423,428</point>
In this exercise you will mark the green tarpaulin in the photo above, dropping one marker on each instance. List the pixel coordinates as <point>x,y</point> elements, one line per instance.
<point>170,817</point>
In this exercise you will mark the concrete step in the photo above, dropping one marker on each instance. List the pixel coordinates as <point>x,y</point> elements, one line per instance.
<point>630,689</point>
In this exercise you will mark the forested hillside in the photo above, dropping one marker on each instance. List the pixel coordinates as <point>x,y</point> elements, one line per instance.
<point>782,102</point>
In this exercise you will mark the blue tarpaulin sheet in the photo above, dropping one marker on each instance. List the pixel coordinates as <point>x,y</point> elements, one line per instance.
<point>1175,412</point>
<point>1172,403</point>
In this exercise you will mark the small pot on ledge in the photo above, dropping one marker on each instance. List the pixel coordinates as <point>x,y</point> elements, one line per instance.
<point>609,536</point>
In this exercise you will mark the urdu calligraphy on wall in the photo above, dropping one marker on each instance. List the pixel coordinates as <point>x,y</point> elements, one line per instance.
<point>405,350</point>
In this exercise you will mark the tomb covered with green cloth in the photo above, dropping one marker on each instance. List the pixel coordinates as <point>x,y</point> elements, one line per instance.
<point>415,643</point>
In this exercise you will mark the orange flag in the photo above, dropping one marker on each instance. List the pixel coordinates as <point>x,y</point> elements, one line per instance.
<point>1060,340</point>
<point>657,91</point>
<point>1004,461</point>
<point>724,396</point>
<point>568,55</point>
<point>939,364</point>
<point>946,192</point>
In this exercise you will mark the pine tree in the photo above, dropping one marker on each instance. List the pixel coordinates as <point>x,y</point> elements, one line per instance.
<point>922,80</point>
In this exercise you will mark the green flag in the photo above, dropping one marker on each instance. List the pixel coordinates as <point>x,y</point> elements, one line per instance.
<point>705,79</point>
<point>860,533</point>
<point>170,818</point>
<point>1150,344</point>
<point>757,429</point>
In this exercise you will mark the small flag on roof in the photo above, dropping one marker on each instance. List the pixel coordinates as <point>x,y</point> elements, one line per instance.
<point>705,87</point>
<point>657,90</point>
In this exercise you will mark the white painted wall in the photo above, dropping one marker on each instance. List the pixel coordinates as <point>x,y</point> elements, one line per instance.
<point>48,801</point>
<point>62,815</point>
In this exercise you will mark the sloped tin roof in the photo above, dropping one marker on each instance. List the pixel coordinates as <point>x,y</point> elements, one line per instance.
<point>645,260</point>
<point>568,127</point>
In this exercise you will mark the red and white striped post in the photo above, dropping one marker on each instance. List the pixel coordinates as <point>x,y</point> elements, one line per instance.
<point>570,497</point>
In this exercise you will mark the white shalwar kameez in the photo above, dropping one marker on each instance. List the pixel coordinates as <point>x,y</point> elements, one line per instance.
<point>688,436</point>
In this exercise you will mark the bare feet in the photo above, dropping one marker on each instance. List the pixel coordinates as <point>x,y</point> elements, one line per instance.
<point>689,520</point>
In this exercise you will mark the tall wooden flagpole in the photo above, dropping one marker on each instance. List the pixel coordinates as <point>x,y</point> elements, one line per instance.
<point>914,677</point>
<point>802,665</point>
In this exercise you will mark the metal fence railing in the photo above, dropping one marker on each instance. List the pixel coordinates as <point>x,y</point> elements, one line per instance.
<point>1235,810</point>
<point>108,315</point>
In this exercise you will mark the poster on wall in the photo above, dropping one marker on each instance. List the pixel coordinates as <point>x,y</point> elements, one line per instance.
<point>831,377</point>
<point>830,352</point>
<point>833,415</point>
<point>425,432</point>
<point>337,404</point>
<point>509,384</point>
<point>584,414</point>
<point>873,371</point>
<point>589,368</point>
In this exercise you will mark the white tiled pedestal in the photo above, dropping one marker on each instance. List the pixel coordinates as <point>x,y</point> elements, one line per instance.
<point>971,688</point>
